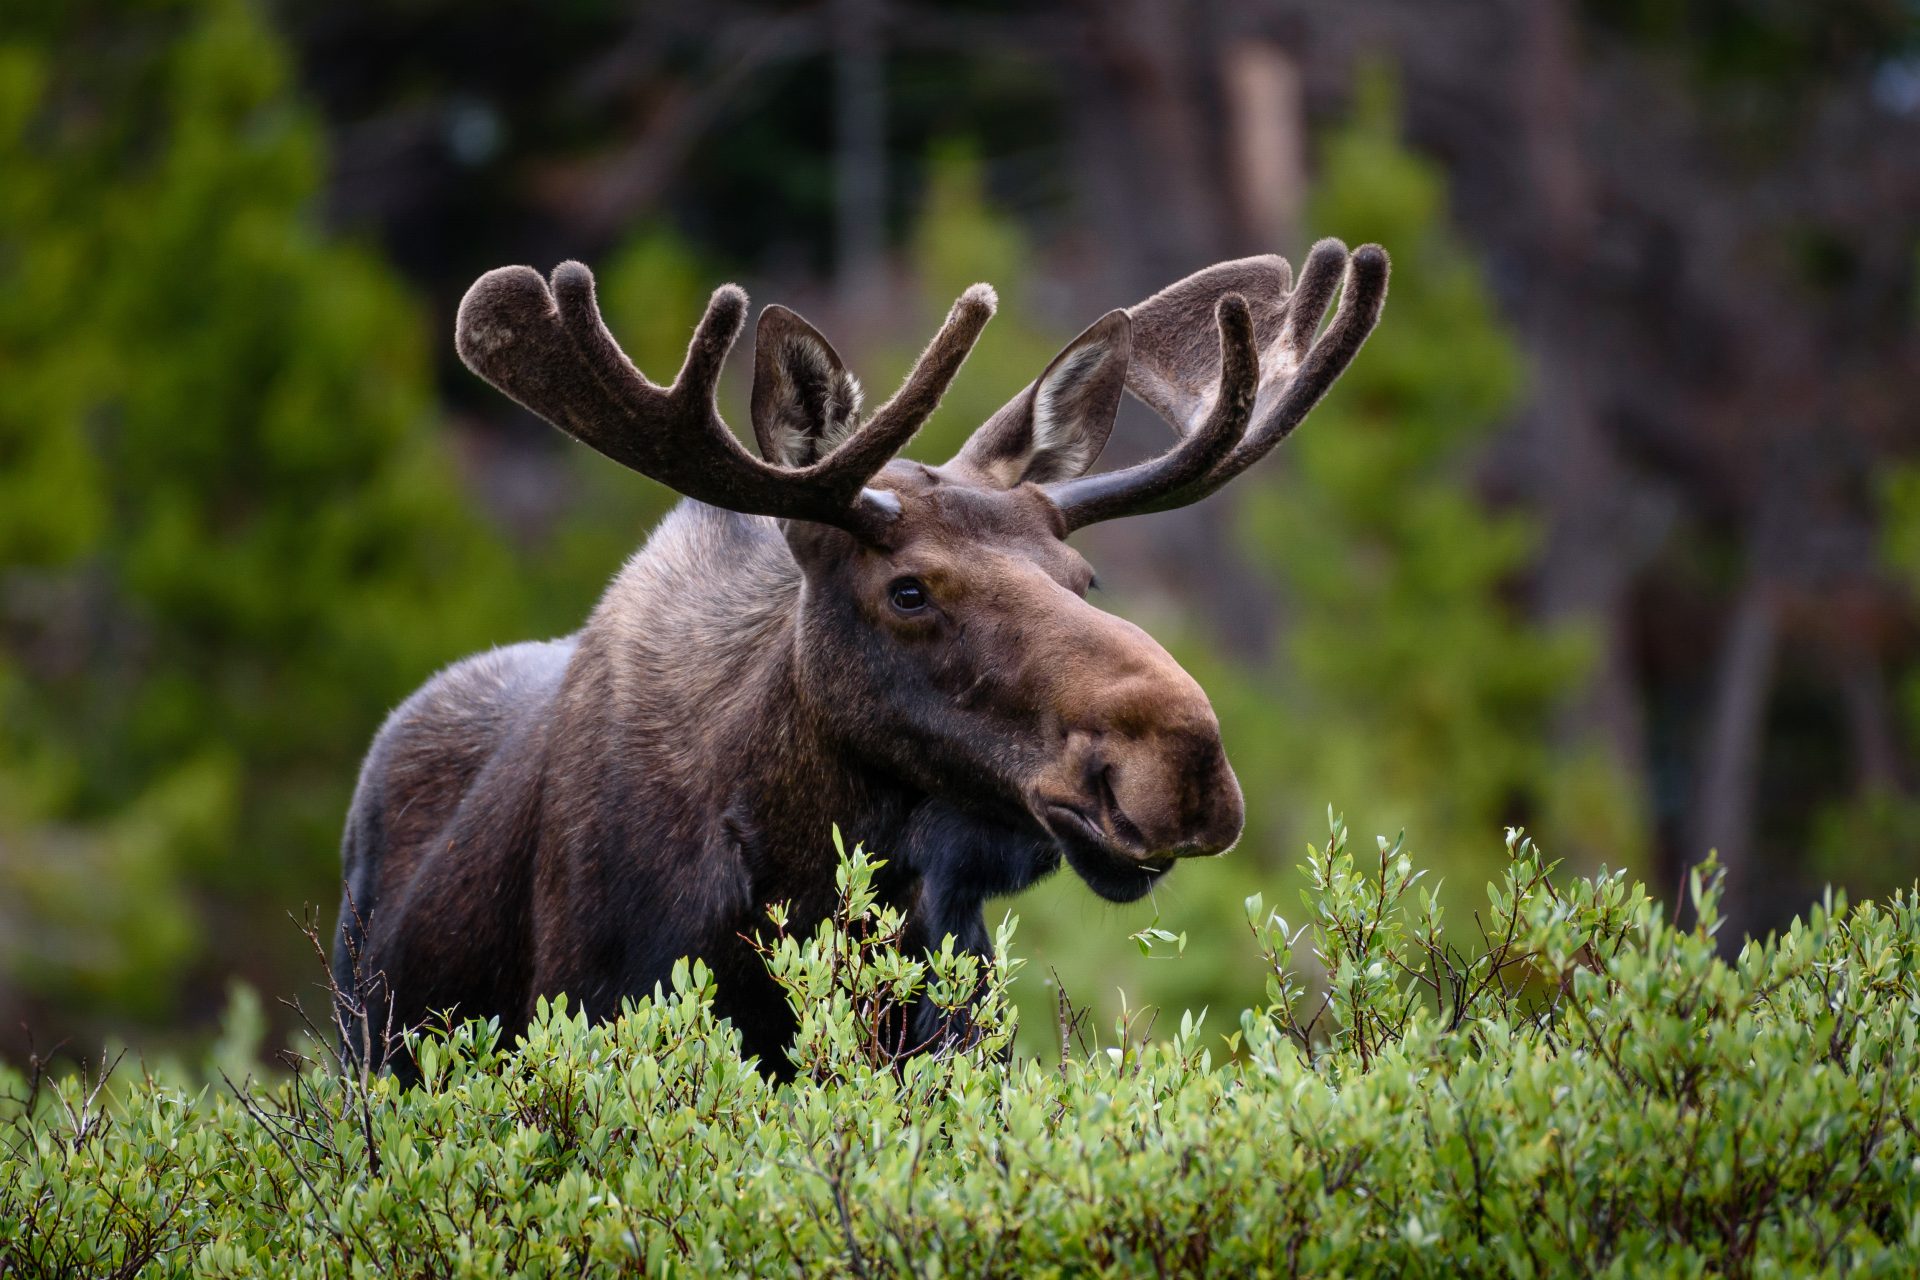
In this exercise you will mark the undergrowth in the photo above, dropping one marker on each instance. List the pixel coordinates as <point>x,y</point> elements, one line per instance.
<point>1567,1083</point>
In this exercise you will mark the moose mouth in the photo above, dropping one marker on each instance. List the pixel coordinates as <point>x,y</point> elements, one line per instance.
<point>1110,870</point>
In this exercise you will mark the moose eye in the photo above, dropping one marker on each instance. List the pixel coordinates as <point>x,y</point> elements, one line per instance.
<point>909,595</point>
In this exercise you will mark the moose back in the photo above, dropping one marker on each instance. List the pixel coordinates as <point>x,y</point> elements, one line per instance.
<point>825,634</point>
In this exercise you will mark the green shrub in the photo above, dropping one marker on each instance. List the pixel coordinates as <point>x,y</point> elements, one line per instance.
<point>1588,1090</point>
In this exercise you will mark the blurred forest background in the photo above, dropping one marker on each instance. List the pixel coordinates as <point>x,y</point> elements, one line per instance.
<point>1613,530</point>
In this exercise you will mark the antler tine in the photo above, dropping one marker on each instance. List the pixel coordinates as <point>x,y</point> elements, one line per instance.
<point>508,332</point>
<point>1320,275</point>
<point>1362,296</point>
<point>512,332</point>
<point>674,434</point>
<point>894,423</point>
<point>1148,486</point>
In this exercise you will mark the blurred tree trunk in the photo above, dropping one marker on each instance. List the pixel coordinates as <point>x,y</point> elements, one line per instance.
<point>1871,725</point>
<point>1144,117</point>
<point>860,151</point>
<point>1598,527</point>
<point>1267,144</point>
<point>1730,753</point>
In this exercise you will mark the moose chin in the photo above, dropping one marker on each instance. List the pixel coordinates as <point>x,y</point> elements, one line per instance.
<point>824,634</point>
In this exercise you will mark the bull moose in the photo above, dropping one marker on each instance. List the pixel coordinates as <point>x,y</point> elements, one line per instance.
<point>825,634</point>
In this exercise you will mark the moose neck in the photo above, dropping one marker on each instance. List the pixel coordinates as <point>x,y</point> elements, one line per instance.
<point>694,689</point>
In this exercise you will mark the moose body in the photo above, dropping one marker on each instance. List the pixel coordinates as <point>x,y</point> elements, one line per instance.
<point>576,815</point>
<point>829,636</point>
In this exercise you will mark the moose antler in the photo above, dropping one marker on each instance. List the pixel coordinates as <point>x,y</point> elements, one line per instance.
<point>550,350</point>
<point>1209,397</point>
<point>1087,500</point>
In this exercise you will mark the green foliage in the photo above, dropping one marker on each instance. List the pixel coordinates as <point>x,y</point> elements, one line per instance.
<point>850,983</point>
<point>228,538</point>
<point>1589,1089</point>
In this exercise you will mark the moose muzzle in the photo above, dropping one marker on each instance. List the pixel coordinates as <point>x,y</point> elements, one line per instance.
<point>1141,778</point>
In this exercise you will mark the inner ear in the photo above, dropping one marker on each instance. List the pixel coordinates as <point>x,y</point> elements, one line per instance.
<point>804,400</point>
<point>1056,428</point>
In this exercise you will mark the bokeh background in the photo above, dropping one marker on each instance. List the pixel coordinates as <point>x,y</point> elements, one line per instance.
<point>1613,531</point>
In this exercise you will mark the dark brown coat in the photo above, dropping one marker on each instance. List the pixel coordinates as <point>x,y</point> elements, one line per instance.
<point>823,637</point>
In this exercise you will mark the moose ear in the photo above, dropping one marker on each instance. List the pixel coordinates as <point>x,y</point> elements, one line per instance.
<point>804,400</point>
<point>1056,428</point>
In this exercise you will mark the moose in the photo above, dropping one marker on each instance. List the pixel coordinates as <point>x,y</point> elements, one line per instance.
<point>825,634</point>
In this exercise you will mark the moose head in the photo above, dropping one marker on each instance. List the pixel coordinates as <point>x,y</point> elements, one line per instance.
<point>943,629</point>
<point>826,634</point>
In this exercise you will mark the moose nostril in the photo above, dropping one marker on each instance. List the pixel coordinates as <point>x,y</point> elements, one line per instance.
<point>1119,823</point>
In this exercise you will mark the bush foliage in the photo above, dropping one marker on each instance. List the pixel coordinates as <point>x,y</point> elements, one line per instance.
<point>1589,1089</point>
